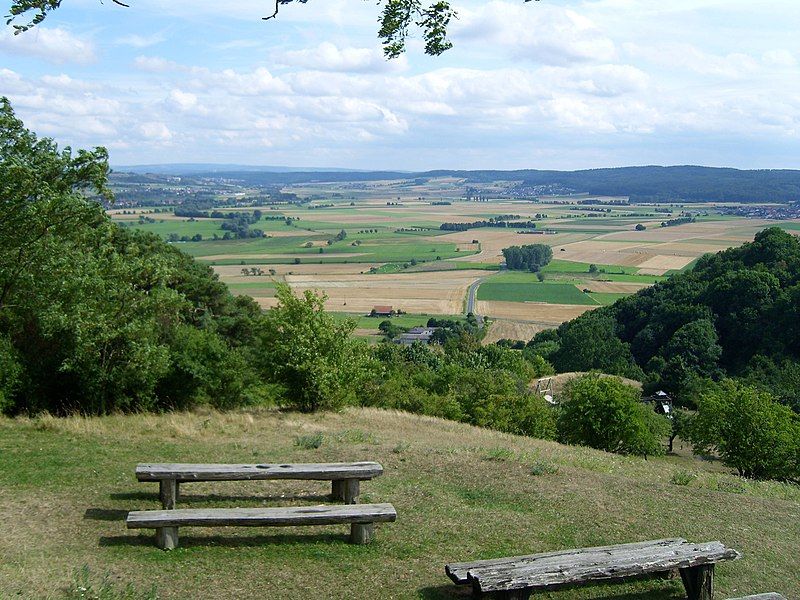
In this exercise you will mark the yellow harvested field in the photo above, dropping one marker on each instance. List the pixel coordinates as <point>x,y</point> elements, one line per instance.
<point>423,292</point>
<point>511,330</point>
<point>612,287</point>
<point>666,262</point>
<point>548,314</point>
<point>493,240</point>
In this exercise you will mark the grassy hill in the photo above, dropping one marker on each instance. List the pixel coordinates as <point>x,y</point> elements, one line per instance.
<point>461,493</point>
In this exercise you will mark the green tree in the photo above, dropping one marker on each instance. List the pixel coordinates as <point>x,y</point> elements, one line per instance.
<point>302,348</point>
<point>750,431</point>
<point>531,257</point>
<point>591,343</point>
<point>89,311</point>
<point>607,414</point>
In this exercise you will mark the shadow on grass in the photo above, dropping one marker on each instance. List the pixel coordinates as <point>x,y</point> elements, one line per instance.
<point>605,591</point>
<point>105,514</point>
<point>197,498</point>
<point>194,541</point>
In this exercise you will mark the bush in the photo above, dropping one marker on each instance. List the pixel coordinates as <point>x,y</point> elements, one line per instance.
<point>311,355</point>
<point>749,430</point>
<point>309,442</point>
<point>521,414</point>
<point>607,414</point>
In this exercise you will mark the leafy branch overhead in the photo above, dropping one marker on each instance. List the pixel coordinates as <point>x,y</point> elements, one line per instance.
<point>398,19</point>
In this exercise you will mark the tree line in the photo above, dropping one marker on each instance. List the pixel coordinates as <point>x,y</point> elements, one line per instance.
<point>531,257</point>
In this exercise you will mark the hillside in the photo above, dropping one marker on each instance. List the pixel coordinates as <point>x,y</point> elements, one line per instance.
<point>733,314</point>
<point>652,183</point>
<point>460,492</point>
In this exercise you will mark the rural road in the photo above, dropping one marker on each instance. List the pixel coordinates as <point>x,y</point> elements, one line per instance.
<point>472,293</point>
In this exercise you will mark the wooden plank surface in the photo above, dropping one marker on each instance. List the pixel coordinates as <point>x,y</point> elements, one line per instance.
<point>458,572</point>
<point>261,517</point>
<point>614,563</point>
<point>230,472</point>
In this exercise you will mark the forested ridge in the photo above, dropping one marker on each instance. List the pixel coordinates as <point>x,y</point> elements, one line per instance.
<point>736,313</point>
<point>643,183</point>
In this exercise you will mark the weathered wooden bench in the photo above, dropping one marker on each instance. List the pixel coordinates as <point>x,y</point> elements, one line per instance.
<point>517,577</point>
<point>345,477</point>
<point>361,517</point>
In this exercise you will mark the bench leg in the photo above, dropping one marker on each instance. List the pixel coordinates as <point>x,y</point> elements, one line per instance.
<point>167,538</point>
<point>516,595</point>
<point>361,533</point>
<point>699,582</point>
<point>168,492</point>
<point>352,488</point>
<point>337,489</point>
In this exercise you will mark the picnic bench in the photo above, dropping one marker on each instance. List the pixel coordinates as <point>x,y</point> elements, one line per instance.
<point>517,577</point>
<point>345,477</point>
<point>361,517</point>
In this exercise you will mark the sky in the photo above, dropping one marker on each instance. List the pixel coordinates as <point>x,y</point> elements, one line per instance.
<point>553,84</point>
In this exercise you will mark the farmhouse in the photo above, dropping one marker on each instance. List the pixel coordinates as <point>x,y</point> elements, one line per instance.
<point>416,334</point>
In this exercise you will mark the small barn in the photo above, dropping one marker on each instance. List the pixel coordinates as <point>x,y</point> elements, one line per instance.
<point>382,311</point>
<point>416,334</point>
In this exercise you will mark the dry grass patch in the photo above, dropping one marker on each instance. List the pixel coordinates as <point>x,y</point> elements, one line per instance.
<point>511,330</point>
<point>547,314</point>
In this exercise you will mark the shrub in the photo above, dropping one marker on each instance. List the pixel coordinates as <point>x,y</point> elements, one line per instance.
<point>607,414</point>
<point>309,442</point>
<point>749,430</point>
<point>543,467</point>
<point>521,414</point>
<point>683,477</point>
<point>311,355</point>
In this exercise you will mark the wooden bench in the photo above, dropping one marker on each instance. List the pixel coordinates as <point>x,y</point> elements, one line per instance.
<point>517,577</point>
<point>767,596</point>
<point>361,517</point>
<point>345,477</point>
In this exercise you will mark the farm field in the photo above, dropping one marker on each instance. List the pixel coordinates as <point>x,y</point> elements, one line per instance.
<point>394,252</point>
<point>461,493</point>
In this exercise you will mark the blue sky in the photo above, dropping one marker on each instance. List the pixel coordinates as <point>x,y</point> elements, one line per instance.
<point>552,84</point>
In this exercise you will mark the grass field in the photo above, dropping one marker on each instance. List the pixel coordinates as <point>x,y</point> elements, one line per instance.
<point>461,493</point>
<point>551,293</point>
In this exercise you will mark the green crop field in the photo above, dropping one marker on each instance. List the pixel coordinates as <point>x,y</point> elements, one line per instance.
<point>551,293</point>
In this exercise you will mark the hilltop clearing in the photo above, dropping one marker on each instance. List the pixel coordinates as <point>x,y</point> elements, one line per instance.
<point>461,493</point>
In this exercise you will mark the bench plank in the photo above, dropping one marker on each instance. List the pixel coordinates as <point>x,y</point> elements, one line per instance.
<point>361,517</point>
<point>584,565</point>
<point>184,472</point>
<point>459,572</point>
<point>261,517</point>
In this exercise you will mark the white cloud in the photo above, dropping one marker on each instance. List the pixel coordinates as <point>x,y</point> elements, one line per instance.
<point>156,131</point>
<point>329,57</point>
<point>155,64</point>
<point>51,44</point>
<point>141,41</point>
<point>183,100</point>
<point>539,33</point>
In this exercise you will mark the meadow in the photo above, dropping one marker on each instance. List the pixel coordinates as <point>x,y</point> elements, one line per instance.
<point>395,253</point>
<point>64,493</point>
